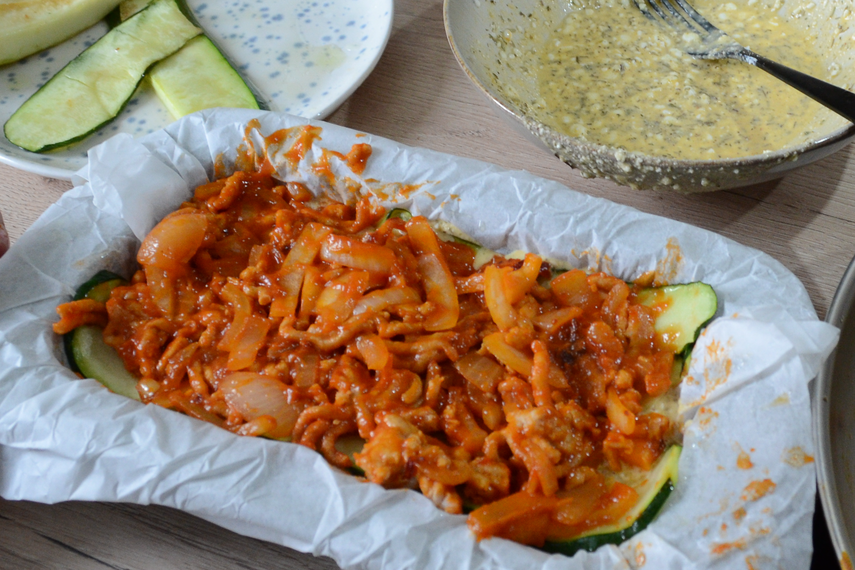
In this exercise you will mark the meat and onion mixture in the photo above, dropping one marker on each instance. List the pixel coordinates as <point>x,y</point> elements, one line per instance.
<point>509,390</point>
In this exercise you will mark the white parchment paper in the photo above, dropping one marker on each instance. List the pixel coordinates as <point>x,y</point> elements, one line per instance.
<point>746,492</point>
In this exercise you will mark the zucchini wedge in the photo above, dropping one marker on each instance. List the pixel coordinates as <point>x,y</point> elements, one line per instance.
<point>653,491</point>
<point>28,27</point>
<point>99,286</point>
<point>86,291</point>
<point>97,360</point>
<point>85,347</point>
<point>683,311</point>
<point>350,445</point>
<point>96,85</point>
<point>397,213</point>
<point>198,76</point>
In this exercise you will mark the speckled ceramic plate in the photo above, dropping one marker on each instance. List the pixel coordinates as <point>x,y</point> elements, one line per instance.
<point>305,56</point>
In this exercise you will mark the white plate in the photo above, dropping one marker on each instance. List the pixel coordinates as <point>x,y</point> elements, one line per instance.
<point>305,56</point>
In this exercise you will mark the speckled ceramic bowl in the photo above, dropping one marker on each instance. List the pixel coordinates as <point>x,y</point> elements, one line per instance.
<point>473,26</point>
<point>305,57</point>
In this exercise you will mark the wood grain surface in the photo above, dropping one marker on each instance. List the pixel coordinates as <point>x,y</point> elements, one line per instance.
<point>418,95</point>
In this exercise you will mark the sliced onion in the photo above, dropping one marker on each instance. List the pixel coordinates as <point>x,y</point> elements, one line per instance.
<point>380,299</point>
<point>553,320</point>
<point>338,299</point>
<point>374,351</point>
<point>304,251</point>
<point>242,310</point>
<point>437,279</point>
<point>520,281</point>
<point>514,359</point>
<point>253,395</point>
<point>250,340</point>
<point>290,280</point>
<point>500,308</point>
<point>572,288</point>
<point>247,332</point>
<point>439,290</point>
<point>353,253</point>
<point>173,242</point>
<point>162,289</point>
<point>483,372</point>
<point>519,361</point>
<point>304,368</point>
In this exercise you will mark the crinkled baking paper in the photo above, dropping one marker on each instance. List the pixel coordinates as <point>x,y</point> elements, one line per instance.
<point>745,497</point>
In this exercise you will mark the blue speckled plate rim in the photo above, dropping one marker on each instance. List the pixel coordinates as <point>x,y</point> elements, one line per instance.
<point>48,171</point>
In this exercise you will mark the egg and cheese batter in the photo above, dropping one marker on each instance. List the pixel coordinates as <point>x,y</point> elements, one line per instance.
<point>612,76</point>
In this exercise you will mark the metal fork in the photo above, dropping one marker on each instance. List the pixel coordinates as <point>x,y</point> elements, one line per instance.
<point>712,43</point>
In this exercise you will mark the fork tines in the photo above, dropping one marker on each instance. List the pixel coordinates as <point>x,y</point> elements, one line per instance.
<point>677,13</point>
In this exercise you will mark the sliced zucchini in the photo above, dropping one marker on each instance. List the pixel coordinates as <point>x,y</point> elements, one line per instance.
<point>97,288</point>
<point>94,87</point>
<point>350,445</point>
<point>397,213</point>
<point>97,360</point>
<point>94,288</point>
<point>29,27</point>
<point>85,347</point>
<point>684,311</point>
<point>198,77</point>
<point>653,491</point>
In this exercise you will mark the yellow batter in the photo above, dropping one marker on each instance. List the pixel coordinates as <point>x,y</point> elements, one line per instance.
<point>612,76</point>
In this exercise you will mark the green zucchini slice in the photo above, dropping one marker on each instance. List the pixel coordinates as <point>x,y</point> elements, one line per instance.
<point>28,27</point>
<point>85,348</point>
<point>99,361</point>
<point>399,213</point>
<point>96,85</point>
<point>198,76</point>
<point>99,286</point>
<point>653,491</point>
<point>350,445</point>
<point>685,310</point>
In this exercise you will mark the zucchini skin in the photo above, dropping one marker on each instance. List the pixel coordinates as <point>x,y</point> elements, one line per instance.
<point>594,541</point>
<point>102,276</point>
<point>94,88</point>
<point>397,213</point>
<point>665,477</point>
<point>129,8</point>
<point>85,349</point>
<point>695,302</point>
<point>99,361</point>
<point>28,27</point>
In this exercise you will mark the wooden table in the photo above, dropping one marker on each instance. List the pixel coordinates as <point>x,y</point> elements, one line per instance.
<point>418,95</point>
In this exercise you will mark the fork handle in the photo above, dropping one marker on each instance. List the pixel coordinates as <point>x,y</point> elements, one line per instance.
<point>838,100</point>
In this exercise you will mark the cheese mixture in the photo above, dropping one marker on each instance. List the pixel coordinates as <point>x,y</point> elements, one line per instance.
<point>613,76</point>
